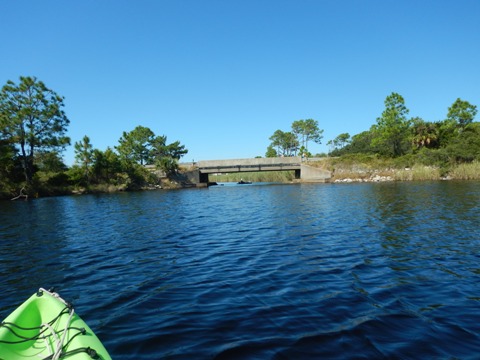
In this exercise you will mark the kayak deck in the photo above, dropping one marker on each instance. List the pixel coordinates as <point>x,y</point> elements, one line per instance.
<point>47,327</point>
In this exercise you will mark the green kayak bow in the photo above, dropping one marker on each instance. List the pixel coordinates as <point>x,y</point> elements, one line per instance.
<point>47,327</point>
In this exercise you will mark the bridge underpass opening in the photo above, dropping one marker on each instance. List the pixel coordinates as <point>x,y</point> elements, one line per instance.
<point>254,176</point>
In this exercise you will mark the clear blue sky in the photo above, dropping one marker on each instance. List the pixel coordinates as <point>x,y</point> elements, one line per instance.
<point>221,76</point>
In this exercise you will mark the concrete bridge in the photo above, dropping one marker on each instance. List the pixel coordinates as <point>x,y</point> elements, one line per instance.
<point>303,171</point>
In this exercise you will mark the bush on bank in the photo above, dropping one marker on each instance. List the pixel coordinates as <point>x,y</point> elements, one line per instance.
<point>406,168</point>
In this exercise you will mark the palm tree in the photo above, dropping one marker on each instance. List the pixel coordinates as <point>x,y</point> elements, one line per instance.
<point>425,134</point>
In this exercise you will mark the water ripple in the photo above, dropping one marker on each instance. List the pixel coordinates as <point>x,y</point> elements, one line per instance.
<point>259,272</point>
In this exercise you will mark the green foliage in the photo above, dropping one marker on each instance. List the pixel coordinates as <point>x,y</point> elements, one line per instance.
<point>143,147</point>
<point>109,171</point>
<point>33,135</point>
<point>168,164</point>
<point>359,144</point>
<point>9,168</point>
<point>50,162</point>
<point>84,156</point>
<point>31,117</point>
<point>465,146</point>
<point>434,157</point>
<point>33,129</point>
<point>50,183</point>
<point>424,134</point>
<point>271,152</point>
<point>76,175</point>
<point>166,156</point>
<point>289,143</point>
<point>106,167</point>
<point>286,143</point>
<point>304,153</point>
<point>417,149</point>
<point>174,150</point>
<point>307,130</point>
<point>134,176</point>
<point>462,112</point>
<point>339,142</point>
<point>136,145</point>
<point>447,130</point>
<point>392,128</point>
<point>454,146</point>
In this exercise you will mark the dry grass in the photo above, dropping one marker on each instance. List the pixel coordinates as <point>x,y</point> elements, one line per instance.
<point>363,168</point>
<point>418,173</point>
<point>262,176</point>
<point>466,171</point>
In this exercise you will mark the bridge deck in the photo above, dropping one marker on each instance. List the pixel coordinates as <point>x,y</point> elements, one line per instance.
<point>248,165</point>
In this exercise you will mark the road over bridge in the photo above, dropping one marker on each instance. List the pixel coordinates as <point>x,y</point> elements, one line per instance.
<point>303,171</point>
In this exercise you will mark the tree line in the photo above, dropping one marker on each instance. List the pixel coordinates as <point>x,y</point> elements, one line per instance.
<point>453,140</point>
<point>33,136</point>
<point>295,142</point>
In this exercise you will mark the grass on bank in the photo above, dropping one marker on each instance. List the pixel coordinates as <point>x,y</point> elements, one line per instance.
<point>405,168</point>
<point>466,171</point>
<point>418,173</point>
<point>264,176</point>
<point>365,167</point>
<point>469,171</point>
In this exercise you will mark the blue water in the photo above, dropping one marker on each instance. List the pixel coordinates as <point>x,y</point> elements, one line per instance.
<point>328,271</point>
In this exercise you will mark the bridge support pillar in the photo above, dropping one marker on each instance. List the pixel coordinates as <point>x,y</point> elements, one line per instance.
<point>313,174</point>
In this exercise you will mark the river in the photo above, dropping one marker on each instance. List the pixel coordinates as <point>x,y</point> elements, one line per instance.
<point>262,271</point>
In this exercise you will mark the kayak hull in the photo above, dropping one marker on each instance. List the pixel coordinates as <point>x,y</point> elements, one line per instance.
<point>47,327</point>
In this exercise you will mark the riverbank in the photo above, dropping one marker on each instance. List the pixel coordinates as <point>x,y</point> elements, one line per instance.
<point>344,170</point>
<point>381,170</point>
